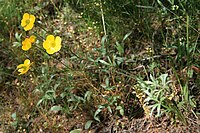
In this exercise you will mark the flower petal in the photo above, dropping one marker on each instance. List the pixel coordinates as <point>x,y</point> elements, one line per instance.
<point>24,19</point>
<point>23,71</point>
<point>58,40</point>
<point>27,62</point>
<point>58,44</point>
<point>46,44</point>
<point>32,19</point>
<point>23,22</point>
<point>50,51</point>
<point>50,38</point>
<point>26,16</point>
<point>20,70</point>
<point>26,47</point>
<point>28,27</point>
<point>20,66</point>
<point>32,38</point>
<point>48,41</point>
<point>57,47</point>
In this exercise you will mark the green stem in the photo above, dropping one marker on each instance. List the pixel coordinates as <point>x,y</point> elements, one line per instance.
<point>187,31</point>
<point>103,20</point>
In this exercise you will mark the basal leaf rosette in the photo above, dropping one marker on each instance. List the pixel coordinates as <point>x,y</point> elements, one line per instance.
<point>27,21</point>
<point>23,68</point>
<point>52,44</point>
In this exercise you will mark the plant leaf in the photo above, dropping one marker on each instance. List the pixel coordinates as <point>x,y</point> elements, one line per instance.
<point>97,112</point>
<point>88,124</point>
<point>104,62</point>
<point>14,116</point>
<point>126,36</point>
<point>56,108</point>
<point>76,131</point>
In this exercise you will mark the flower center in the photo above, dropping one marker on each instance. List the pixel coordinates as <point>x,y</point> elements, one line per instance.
<point>53,44</point>
<point>27,21</point>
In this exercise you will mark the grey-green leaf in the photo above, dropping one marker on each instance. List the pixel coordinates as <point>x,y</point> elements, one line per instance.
<point>56,108</point>
<point>76,131</point>
<point>104,62</point>
<point>88,124</point>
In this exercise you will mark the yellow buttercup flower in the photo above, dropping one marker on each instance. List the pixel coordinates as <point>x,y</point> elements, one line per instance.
<point>23,68</point>
<point>32,38</point>
<point>27,21</point>
<point>52,44</point>
<point>27,43</point>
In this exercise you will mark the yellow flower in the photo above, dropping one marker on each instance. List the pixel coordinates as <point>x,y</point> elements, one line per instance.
<point>27,21</point>
<point>52,44</point>
<point>32,38</point>
<point>23,68</point>
<point>27,43</point>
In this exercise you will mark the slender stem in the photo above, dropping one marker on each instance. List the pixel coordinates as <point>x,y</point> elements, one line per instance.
<point>55,5</point>
<point>38,36</point>
<point>103,20</point>
<point>187,31</point>
<point>52,57</point>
